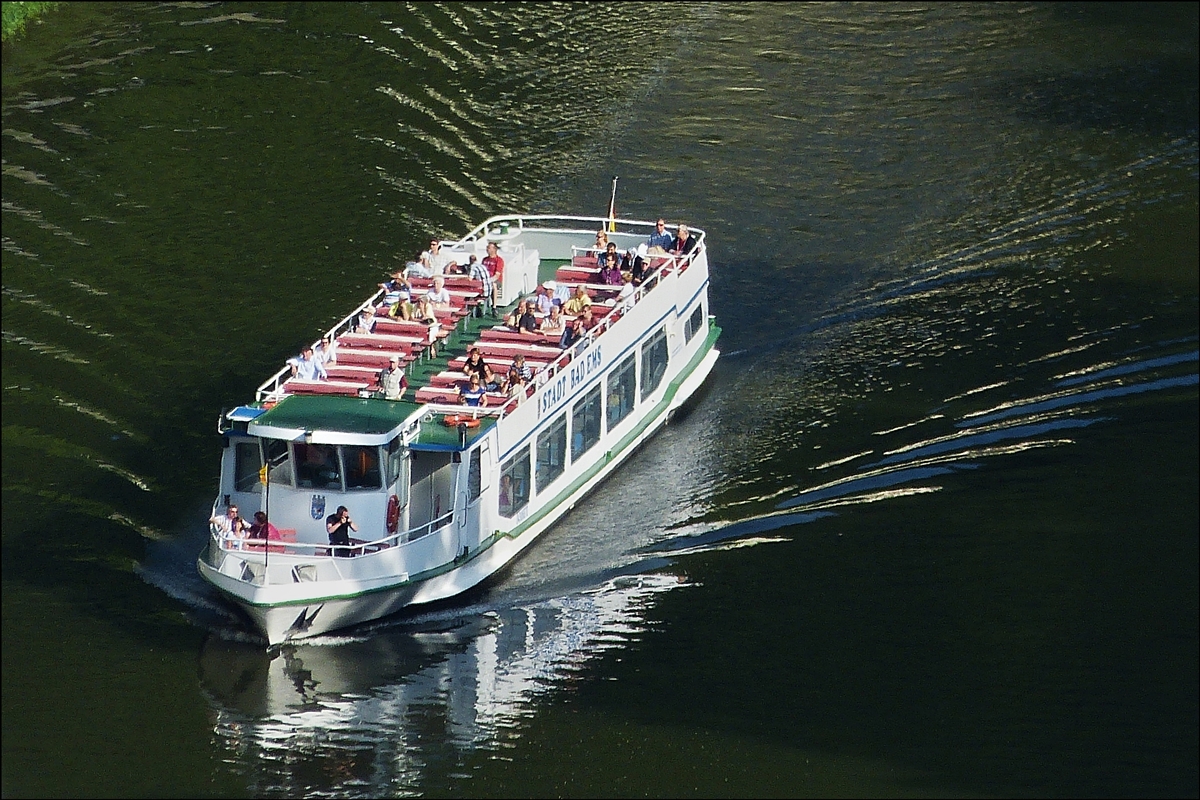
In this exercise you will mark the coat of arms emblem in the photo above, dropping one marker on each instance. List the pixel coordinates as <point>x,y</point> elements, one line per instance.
<point>318,506</point>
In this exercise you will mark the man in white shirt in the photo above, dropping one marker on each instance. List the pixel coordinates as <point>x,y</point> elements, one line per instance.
<point>307,367</point>
<point>435,259</point>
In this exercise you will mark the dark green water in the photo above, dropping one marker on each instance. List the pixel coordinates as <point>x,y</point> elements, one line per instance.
<point>931,529</point>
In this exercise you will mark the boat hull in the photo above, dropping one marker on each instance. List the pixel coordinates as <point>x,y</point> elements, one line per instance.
<point>442,507</point>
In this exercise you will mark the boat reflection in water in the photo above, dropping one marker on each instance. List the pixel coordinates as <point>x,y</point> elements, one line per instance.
<point>397,708</point>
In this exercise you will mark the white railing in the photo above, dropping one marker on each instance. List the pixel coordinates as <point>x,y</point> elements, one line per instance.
<point>271,389</point>
<point>225,543</point>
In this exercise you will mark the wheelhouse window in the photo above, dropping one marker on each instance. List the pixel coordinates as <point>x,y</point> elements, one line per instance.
<point>317,466</point>
<point>694,324</point>
<point>279,460</point>
<point>551,453</point>
<point>654,362</point>
<point>247,463</point>
<point>622,384</point>
<point>514,483</point>
<point>395,460</point>
<point>585,423</point>
<point>362,467</point>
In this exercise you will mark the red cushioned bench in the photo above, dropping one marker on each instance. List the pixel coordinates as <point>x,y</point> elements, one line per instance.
<point>502,334</point>
<point>297,386</point>
<point>376,359</point>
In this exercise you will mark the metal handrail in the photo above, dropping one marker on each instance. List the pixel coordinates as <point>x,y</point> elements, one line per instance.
<point>270,389</point>
<point>227,543</point>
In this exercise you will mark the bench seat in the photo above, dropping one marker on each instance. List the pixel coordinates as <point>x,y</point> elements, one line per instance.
<point>297,386</point>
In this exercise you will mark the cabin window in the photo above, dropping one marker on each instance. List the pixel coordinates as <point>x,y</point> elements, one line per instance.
<point>654,362</point>
<point>281,465</point>
<point>362,467</point>
<point>477,472</point>
<point>395,460</point>
<point>247,461</point>
<point>317,466</point>
<point>621,388</point>
<point>694,324</point>
<point>551,453</point>
<point>585,423</point>
<point>474,477</point>
<point>514,483</point>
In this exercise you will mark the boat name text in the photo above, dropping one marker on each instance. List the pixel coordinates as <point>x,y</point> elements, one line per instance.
<point>580,370</point>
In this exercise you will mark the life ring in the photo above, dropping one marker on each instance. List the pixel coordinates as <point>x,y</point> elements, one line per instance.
<point>393,514</point>
<point>454,420</point>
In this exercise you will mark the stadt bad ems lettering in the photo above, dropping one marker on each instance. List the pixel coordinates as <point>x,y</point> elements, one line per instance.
<point>581,369</point>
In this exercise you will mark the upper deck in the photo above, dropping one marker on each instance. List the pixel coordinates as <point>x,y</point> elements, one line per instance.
<point>347,408</point>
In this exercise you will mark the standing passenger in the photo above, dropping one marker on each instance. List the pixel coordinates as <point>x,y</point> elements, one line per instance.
<point>307,367</point>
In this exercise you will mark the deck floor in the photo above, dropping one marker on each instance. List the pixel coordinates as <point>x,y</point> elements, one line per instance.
<point>421,371</point>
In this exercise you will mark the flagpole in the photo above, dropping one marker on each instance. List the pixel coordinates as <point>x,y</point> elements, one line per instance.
<point>266,475</point>
<point>612,208</point>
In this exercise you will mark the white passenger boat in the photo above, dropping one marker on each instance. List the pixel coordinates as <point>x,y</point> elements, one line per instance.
<point>444,494</point>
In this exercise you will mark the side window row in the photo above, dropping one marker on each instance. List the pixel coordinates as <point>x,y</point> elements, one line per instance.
<point>620,389</point>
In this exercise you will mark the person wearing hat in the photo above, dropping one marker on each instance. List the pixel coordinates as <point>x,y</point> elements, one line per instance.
<point>392,381</point>
<point>558,294</point>
<point>394,291</point>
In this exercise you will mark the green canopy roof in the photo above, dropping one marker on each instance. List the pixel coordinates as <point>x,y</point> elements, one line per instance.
<point>334,419</point>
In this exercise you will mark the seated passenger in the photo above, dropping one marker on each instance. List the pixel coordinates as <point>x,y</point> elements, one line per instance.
<point>578,302</point>
<point>366,321</point>
<point>553,323</point>
<point>262,529</point>
<point>404,309</point>
<point>610,254</point>
<point>559,293</point>
<point>476,365</point>
<point>527,321</point>
<point>601,241</point>
<point>326,351</point>
<point>438,294</point>
<point>420,267</point>
<point>542,301</point>
<point>437,259</point>
<point>633,266</point>
<point>230,524</point>
<point>683,243</point>
<point>474,393</point>
<point>423,312</point>
<point>610,266</point>
<point>574,332</point>
<point>394,291</point>
<point>519,374</point>
<point>661,237</point>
